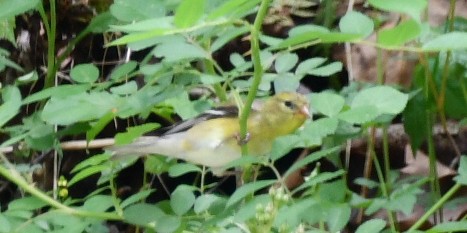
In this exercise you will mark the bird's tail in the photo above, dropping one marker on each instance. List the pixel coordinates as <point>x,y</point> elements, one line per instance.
<point>143,146</point>
<point>140,147</point>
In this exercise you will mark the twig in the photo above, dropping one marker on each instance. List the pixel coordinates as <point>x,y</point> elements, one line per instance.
<point>74,145</point>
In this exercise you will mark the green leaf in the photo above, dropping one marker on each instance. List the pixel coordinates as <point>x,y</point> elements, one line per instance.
<point>375,205</point>
<point>327,190</point>
<point>305,66</point>
<point>448,41</point>
<point>282,145</point>
<point>356,22</point>
<point>210,79</point>
<point>236,59</point>
<point>61,91</point>
<point>123,70</point>
<point>134,132</point>
<point>27,78</point>
<point>317,37</point>
<point>79,107</point>
<point>311,158</point>
<point>182,199</point>
<point>143,214</point>
<point>327,70</point>
<point>300,29</point>
<point>66,222</point>
<point>98,126</point>
<point>100,23</point>
<point>147,36</point>
<point>91,161</point>
<point>188,13</point>
<point>454,103</point>
<point>144,100</point>
<point>148,26</point>
<point>136,10</point>
<point>174,51</point>
<point>247,189</point>
<point>404,197</point>
<point>183,106</point>
<point>246,211</point>
<point>413,8</point>
<point>84,73</point>
<point>41,136</point>
<point>337,217</point>
<point>5,62</point>
<point>233,8</point>
<point>141,195</point>
<point>386,99</point>
<point>168,223</point>
<point>327,103</point>
<point>227,35</point>
<point>400,34</point>
<point>296,213</point>
<point>11,103</point>
<point>156,164</point>
<point>285,62</point>
<point>5,226</point>
<point>366,182</point>
<point>7,32</point>
<point>319,179</point>
<point>415,119</point>
<point>26,203</point>
<point>286,82</point>
<point>204,202</point>
<point>359,115</point>
<point>125,89</point>
<point>84,173</point>
<point>313,132</point>
<point>459,226</point>
<point>373,225</point>
<point>244,160</point>
<point>12,8</point>
<point>462,170</point>
<point>182,169</point>
<point>98,203</point>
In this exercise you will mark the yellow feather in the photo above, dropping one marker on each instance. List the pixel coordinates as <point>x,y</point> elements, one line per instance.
<point>214,143</point>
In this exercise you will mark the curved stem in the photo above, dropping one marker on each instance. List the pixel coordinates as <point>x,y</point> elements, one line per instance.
<point>12,175</point>
<point>50,29</point>
<point>258,73</point>
<point>435,207</point>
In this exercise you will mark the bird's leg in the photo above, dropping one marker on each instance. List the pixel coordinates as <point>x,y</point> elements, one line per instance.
<point>242,141</point>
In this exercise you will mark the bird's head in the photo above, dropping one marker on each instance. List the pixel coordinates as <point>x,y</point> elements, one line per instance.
<point>292,103</point>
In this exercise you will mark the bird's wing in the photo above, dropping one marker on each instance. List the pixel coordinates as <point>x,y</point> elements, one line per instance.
<point>219,112</point>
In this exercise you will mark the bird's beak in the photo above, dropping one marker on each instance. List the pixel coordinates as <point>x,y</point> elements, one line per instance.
<point>305,111</point>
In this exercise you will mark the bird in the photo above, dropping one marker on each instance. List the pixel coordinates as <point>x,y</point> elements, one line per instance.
<point>213,138</point>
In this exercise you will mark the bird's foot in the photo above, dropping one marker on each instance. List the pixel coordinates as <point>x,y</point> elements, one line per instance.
<point>242,141</point>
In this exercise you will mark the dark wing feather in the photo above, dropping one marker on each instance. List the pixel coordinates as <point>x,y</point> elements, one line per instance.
<point>224,111</point>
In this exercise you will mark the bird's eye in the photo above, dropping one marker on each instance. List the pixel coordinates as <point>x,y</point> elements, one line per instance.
<point>289,104</point>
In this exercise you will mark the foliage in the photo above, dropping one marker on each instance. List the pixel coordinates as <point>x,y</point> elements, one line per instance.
<point>183,38</point>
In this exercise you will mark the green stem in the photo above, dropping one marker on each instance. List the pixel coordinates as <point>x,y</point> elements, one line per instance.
<point>258,69</point>
<point>387,171</point>
<point>379,66</point>
<point>115,199</point>
<point>379,173</point>
<point>12,175</point>
<point>435,207</point>
<point>50,29</point>
<point>257,75</point>
<point>434,181</point>
<point>220,92</point>
<point>387,161</point>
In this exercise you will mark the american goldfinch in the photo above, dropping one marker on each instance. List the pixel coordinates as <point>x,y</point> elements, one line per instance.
<point>214,141</point>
